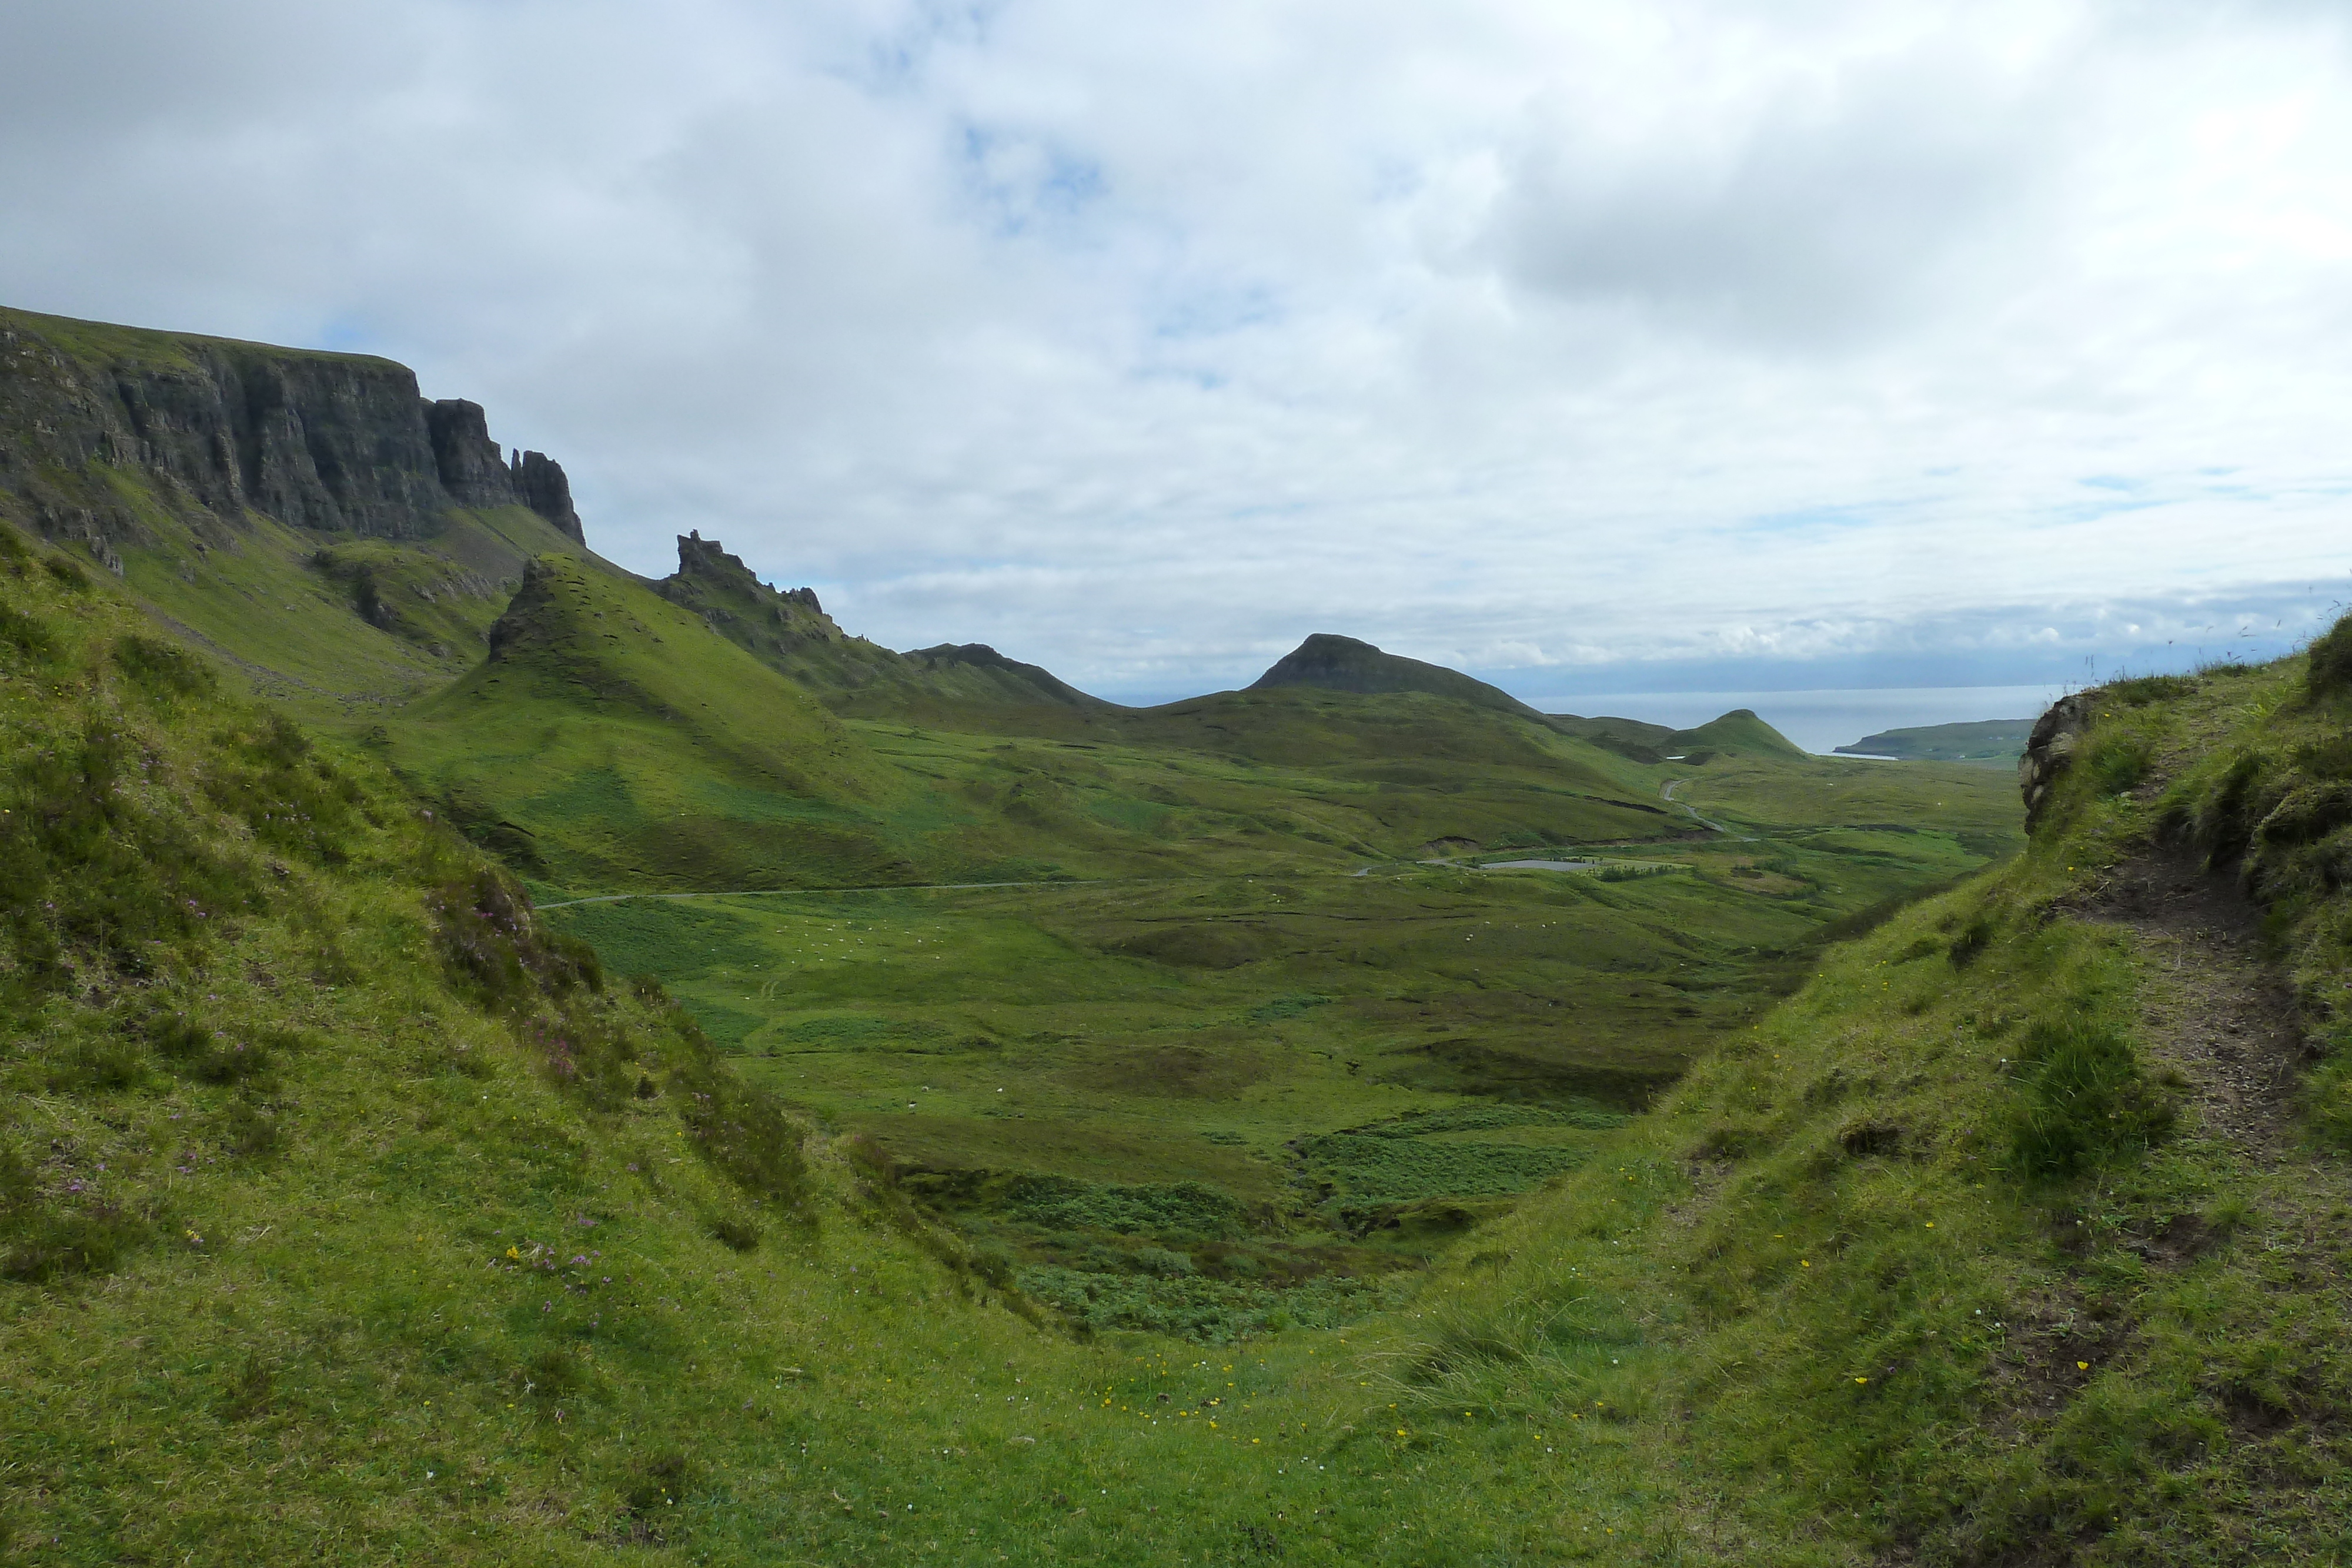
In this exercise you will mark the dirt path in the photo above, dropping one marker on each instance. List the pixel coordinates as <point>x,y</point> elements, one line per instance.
<point>2219,1014</point>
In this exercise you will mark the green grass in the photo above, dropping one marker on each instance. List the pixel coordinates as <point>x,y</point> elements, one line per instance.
<point>286,615</point>
<point>1896,1240</point>
<point>476,1253</point>
<point>422,1255</point>
<point>614,738</point>
<point>617,741</point>
<point>1197,1200</point>
<point>1325,1047</point>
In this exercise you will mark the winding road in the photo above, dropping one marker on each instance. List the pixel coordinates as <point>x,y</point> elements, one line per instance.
<point>1666,793</point>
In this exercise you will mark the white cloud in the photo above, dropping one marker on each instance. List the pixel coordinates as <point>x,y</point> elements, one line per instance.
<point>1142,344</point>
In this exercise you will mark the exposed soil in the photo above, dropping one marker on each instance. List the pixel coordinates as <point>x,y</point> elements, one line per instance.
<point>2220,1017</point>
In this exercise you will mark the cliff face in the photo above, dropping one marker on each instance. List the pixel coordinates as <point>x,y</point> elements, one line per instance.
<point>540,484</point>
<point>474,474</point>
<point>337,443</point>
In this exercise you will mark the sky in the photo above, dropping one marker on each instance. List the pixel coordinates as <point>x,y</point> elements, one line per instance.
<point>1670,345</point>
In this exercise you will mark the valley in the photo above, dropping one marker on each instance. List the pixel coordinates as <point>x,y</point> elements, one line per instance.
<point>512,1062</point>
<point>1359,1069</point>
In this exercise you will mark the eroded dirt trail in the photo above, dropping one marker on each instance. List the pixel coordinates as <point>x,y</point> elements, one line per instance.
<point>2220,1015</point>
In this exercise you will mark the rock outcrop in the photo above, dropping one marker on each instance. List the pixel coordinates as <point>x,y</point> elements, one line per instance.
<point>476,475</point>
<point>731,598</point>
<point>2049,751</point>
<point>540,484</point>
<point>338,444</point>
<point>788,631</point>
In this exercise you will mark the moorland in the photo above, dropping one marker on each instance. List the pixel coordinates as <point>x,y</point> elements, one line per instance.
<point>513,1060</point>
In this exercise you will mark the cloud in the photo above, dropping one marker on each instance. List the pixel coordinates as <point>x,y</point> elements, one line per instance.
<point>1586,338</point>
<point>1820,205</point>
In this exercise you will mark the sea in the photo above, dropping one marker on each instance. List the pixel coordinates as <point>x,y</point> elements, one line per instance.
<point>1820,720</point>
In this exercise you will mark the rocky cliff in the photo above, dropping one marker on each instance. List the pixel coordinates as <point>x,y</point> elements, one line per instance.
<point>99,424</point>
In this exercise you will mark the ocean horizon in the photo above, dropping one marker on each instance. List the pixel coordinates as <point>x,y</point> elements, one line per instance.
<point>1820,720</point>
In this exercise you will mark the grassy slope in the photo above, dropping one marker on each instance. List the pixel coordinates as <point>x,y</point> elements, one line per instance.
<point>570,744</point>
<point>616,738</point>
<point>1738,732</point>
<point>388,1257</point>
<point>417,1272</point>
<point>1739,1333</point>
<point>91,346</point>
<point>1345,664</point>
<point>1775,797</point>
<point>1315,777</point>
<point>1952,1257</point>
<point>283,607</point>
<point>1323,778</point>
<point>1191,1025</point>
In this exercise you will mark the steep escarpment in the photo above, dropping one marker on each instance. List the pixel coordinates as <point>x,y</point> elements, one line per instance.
<point>474,474</point>
<point>309,518</point>
<point>105,432</point>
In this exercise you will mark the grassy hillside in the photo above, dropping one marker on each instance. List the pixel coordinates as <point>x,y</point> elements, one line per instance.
<point>1345,664</point>
<point>2016,1236</point>
<point>1364,1064</point>
<point>341,630</point>
<point>616,740</point>
<point>612,738</point>
<point>1737,733</point>
<point>1258,1177</point>
<point>347,1211</point>
<point>1629,738</point>
<point>1349,777</point>
<point>308,1128</point>
<point>347,1214</point>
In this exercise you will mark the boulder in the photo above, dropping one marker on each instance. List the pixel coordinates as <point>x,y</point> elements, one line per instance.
<point>2049,751</point>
